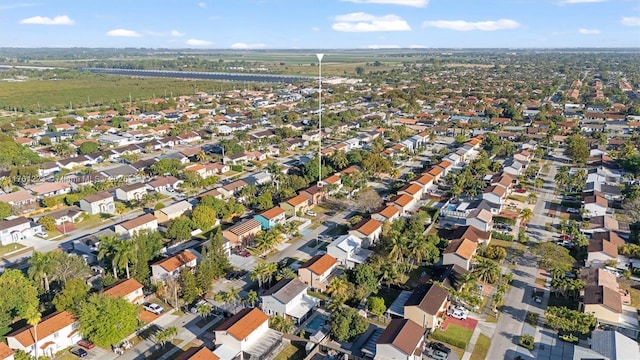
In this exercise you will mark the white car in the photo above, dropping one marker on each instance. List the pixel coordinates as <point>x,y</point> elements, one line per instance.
<point>573,210</point>
<point>194,308</point>
<point>42,234</point>
<point>311,213</point>
<point>153,308</point>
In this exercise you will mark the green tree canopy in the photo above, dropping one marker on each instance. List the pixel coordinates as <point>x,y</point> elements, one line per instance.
<point>346,324</point>
<point>72,295</point>
<point>5,210</point>
<point>88,147</point>
<point>18,296</point>
<point>180,228</point>
<point>106,320</point>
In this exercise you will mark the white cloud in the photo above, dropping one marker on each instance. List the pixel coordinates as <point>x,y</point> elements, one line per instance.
<point>315,28</point>
<point>363,22</point>
<point>588,31</point>
<point>176,33</point>
<point>461,25</point>
<point>123,33</point>
<point>245,46</point>
<point>196,42</point>
<point>414,3</point>
<point>383,46</point>
<point>630,21</point>
<point>202,5</point>
<point>43,20</point>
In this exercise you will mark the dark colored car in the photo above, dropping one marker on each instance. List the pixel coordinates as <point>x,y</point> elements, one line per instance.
<point>79,352</point>
<point>86,344</point>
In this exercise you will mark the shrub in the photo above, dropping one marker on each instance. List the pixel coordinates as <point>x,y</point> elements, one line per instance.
<point>501,236</point>
<point>237,168</point>
<point>504,220</point>
<point>532,319</point>
<point>526,341</point>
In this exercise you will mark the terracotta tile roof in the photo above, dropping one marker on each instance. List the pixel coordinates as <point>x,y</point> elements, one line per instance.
<point>319,264</point>
<point>601,245</point>
<point>599,277</point>
<point>474,141</point>
<point>610,236</point>
<point>596,198</point>
<point>494,189</point>
<point>602,295</point>
<point>402,200</point>
<point>435,171</point>
<point>139,221</point>
<point>368,226</point>
<point>411,189</point>
<point>350,170</point>
<point>429,298</point>
<point>201,353</point>
<point>297,200</point>
<point>5,351</point>
<point>445,164</point>
<point>464,248</point>
<point>122,288</point>
<point>481,214</point>
<point>47,326</point>
<point>243,323</point>
<point>404,334</point>
<point>389,212</point>
<point>424,179</point>
<point>333,179</point>
<point>176,261</point>
<point>272,213</point>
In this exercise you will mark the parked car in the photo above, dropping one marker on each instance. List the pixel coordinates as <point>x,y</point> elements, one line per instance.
<point>458,314</point>
<point>194,308</point>
<point>566,237</point>
<point>42,234</point>
<point>437,351</point>
<point>86,344</point>
<point>153,308</point>
<point>520,190</point>
<point>244,253</point>
<point>573,210</point>
<point>311,213</point>
<point>79,352</point>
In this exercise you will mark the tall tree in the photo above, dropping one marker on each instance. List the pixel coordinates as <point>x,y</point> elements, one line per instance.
<point>39,267</point>
<point>33,319</point>
<point>106,320</point>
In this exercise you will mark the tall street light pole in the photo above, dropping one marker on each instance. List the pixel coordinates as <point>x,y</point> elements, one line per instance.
<point>320,56</point>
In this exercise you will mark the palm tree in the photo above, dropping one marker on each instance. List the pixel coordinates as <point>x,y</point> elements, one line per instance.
<point>339,159</point>
<point>33,318</point>
<point>107,249</point>
<point>201,156</point>
<point>204,309</point>
<point>39,266</point>
<point>166,335</point>
<point>286,273</point>
<point>125,252</point>
<point>562,177</point>
<point>486,270</point>
<point>338,287</point>
<point>397,243</point>
<point>252,297</point>
<point>526,215</point>
<point>270,270</point>
<point>539,183</point>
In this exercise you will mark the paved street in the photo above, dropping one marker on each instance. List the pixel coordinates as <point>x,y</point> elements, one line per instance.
<point>518,300</point>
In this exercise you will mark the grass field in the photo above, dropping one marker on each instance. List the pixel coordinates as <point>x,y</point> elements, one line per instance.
<point>455,335</point>
<point>481,349</point>
<point>291,353</point>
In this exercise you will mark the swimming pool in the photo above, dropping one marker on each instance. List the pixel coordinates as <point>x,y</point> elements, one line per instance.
<point>316,323</point>
<point>452,207</point>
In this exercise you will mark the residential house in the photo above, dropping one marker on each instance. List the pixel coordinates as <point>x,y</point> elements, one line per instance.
<point>246,334</point>
<point>17,229</point>
<point>18,198</point>
<point>48,189</point>
<point>412,189</point>
<point>495,194</point>
<point>389,213</point>
<point>316,271</point>
<point>333,183</point>
<point>64,215</point>
<point>162,183</point>
<point>481,219</point>
<point>172,266</point>
<point>270,218</point>
<point>600,251</point>
<point>98,203</point>
<point>471,233</point>
<point>401,339</point>
<point>132,192</point>
<point>5,352</point>
<point>232,189</point>
<point>425,181</point>
<point>459,252</point>
<point>514,167</point>
<point>288,298</point>
<point>427,306</point>
<point>129,228</point>
<point>172,211</point>
<point>436,173</point>
<point>446,166</point>
<point>48,169</point>
<point>73,162</point>
<point>128,289</point>
<point>56,332</point>
<point>198,353</point>
<point>405,203</point>
<point>296,205</point>
<point>595,204</point>
<point>348,251</point>
<point>368,230</point>
<point>315,194</point>
<point>603,302</point>
<point>242,233</point>
<point>612,345</point>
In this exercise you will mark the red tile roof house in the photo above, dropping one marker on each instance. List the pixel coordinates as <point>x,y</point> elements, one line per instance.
<point>128,289</point>
<point>405,203</point>
<point>317,271</point>
<point>172,266</point>
<point>246,332</point>
<point>368,230</point>
<point>314,194</point>
<point>56,332</point>
<point>389,213</point>
<point>129,228</point>
<point>412,189</point>
<point>401,339</point>
<point>296,205</point>
<point>201,353</point>
<point>271,217</point>
<point>5,352</point>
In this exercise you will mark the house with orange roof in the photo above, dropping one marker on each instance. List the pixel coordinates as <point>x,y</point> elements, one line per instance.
<point>172,265</point>
<point>475,143</point>
<point>446,166</point>
<point>198,353</point>
<point>56,332</point>
<point>271,217</point>
<point>334,181</point>
<point>296,205</point>
<point>459,252</point>
<point>436,172</point>
<point>405,203</point>
<point>128,289</point>
<point>495,194</point>
<point>5,352</point>
<point>368,230</point>
<point>389,213</point>
<point>316,271</point>
<point>412,189</point>
<point>425,181</point>
<point>315,194</point>
<point>248,333</point>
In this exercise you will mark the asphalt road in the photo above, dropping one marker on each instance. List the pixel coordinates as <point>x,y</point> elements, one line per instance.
<point>518,300</point>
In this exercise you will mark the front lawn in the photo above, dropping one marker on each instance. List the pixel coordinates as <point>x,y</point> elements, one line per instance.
<point>633,292</point>
<point>481,349</point>
<point>10,247</point>
<point>455,335</point>
<point>291,353</point>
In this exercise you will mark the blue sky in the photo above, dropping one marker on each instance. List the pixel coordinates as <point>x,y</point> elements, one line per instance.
<point>320,24</point>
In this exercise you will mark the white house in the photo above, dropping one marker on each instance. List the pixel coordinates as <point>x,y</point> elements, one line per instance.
<point>246,332</point>
<point>98,203</point>
<point>56,332</point>
<point>459,252</point>
<point>17,229</point>
<point>288,298</point>
<point>172,266</point>
<point>132,192</point>
<point>128,289</point>
<point>480,219</point>
<point>368,230</point>
<point>347,249</point>
<point>401,339</point>
<point>595,204</point>
<point>131,227</point>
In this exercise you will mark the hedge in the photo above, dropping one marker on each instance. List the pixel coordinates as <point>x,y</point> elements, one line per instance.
<point>504,220</point>
<point>501,236</point>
